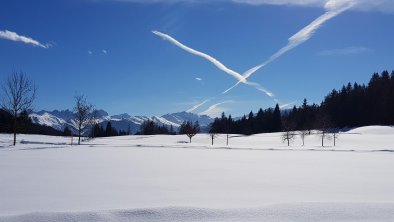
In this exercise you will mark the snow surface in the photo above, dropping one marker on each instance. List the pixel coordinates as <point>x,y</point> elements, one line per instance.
<point>164,178</point>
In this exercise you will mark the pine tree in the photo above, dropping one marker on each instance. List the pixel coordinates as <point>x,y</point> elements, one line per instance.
<point>277,120</point>
<point>108,129</point>
<point>67,131</point>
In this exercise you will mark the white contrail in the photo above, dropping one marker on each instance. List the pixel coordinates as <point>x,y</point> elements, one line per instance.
<point>218,64</point>
<point>333,9</point>
<point>13,36</point>
<point>197,106</point>
<point>287,105</point>
<point>195,52</point>
<point>212,108</point>
<point>256,85</point>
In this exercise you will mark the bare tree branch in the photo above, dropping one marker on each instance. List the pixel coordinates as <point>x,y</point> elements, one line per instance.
<point>288,134</point>
<point>19,95</point>
<point>82,115</point>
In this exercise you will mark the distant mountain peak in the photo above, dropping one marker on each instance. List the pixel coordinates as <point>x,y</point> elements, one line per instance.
<point>121,116</point>
<point>60,119</point>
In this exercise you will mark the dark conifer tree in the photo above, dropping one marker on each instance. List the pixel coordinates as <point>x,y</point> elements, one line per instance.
<point>67,131</point>
<point>277,120</point>
<point>108,129</point>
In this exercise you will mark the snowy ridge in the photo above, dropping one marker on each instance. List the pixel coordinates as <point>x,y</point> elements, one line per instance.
<point>378,130</point>
<point>48,120</point>
<point>60,119</point>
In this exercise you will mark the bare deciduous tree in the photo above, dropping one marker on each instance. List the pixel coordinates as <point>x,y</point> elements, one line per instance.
<point>324,134</point>
<point>288,134</point>
<point>213,136</point>
<point>189,129</point>
<point>324,125</point>
<point>19,95</point>
<point>82,114</point>
<point>303,134</point>
<point>334,135</point>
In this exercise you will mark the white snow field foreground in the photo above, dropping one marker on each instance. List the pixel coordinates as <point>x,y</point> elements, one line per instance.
<point>163,178</point>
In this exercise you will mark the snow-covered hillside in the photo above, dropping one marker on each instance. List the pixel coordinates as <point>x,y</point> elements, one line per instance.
<point>60,119</point>
<point>164,178</point>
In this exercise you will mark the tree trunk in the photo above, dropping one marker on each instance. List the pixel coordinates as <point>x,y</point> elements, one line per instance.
<point>322,139</point>
<point>288,142</point>
<point>190,139</point>
<point>334,139</point>
<point>79,137</point>
<point>15,128</point>
<point>227,140</point>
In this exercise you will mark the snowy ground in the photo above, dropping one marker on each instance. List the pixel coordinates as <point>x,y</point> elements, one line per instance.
<point>163,178</point>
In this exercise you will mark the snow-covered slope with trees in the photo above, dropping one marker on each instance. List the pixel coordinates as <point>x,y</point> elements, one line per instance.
<point>60,119</point>
<point>164,178</point>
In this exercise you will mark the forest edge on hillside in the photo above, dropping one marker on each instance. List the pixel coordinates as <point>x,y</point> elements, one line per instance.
<point>354,105</point>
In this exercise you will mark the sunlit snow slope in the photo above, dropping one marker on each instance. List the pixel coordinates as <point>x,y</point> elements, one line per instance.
<point>163,178</point>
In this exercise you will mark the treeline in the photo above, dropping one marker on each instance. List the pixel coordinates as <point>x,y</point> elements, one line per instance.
<point>268,120</point>
<point>97,130</point>
<point>359,105</point>
<point>187,128</point>
<point>149,127</point>
<point>24,125</point>
<point>354,105</point>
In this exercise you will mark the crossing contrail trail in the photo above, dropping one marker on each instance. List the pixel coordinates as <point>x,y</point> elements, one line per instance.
<point>333,9</point>
<point>218,64</point>
<point>197,106</point>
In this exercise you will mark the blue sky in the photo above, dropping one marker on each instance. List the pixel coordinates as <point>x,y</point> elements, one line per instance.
<point>106,50</point>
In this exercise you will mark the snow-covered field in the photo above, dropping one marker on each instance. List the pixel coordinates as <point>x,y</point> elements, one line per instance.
<point>164,178</point>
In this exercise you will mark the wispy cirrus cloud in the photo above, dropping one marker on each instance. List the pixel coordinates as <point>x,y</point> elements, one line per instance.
<point>361,5</point>
<point>346,51</point>
<point>198,79</point>
<point>13,36</point>
<point>282,2</point>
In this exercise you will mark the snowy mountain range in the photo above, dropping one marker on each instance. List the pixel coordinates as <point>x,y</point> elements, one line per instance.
<point>60,119</point>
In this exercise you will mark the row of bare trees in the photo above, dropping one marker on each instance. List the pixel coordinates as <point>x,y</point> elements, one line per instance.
<point>324,130</point>
<point>289,136</point>
<point>18,93</point>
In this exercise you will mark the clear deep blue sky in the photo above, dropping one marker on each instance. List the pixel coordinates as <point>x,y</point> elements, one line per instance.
<point>142,74</point>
